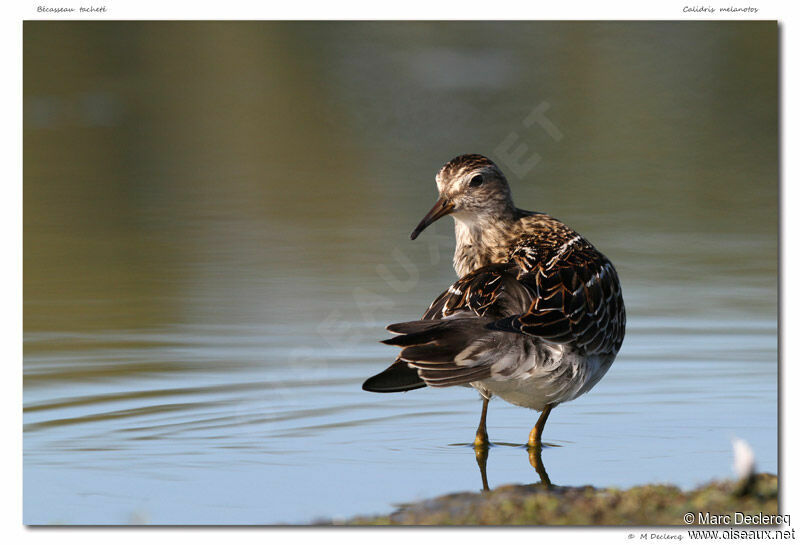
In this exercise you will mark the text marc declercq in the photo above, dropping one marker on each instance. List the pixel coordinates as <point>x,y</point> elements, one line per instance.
<point>742,518</point>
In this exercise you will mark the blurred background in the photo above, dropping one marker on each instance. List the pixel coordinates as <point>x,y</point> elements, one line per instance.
<point>216,221</point>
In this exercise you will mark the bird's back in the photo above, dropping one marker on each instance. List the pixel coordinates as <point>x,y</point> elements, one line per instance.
<point>551,289</point>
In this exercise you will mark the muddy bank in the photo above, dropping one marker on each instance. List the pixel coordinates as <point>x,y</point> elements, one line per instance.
<point>656,504</point>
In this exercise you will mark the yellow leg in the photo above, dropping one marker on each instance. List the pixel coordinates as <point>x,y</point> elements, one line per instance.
<point>535,438</point>
<point>481,436</point>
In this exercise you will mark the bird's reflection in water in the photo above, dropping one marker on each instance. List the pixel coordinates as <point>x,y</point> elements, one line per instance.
<point>534,457</point>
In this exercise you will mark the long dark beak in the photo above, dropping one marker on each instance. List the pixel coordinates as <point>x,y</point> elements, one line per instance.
<point>441,208</point>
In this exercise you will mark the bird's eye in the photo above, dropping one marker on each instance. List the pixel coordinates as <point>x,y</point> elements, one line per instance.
<point>476,181</point>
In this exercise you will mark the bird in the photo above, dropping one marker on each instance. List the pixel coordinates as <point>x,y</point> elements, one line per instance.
<point>536,317</point>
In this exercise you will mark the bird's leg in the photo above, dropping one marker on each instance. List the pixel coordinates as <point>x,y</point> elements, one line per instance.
<point>535,438</point>
<point>481,444</point>
<point>481,436</point>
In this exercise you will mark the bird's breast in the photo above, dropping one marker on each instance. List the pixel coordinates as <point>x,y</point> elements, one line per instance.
<point>470,256</point>
<point>482,243</point>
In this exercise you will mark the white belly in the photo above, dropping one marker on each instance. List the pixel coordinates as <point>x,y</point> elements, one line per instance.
<point>552,375</point>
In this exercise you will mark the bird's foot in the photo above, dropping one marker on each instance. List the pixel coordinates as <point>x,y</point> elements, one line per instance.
<point>535,439</point>
<point>481,440</point>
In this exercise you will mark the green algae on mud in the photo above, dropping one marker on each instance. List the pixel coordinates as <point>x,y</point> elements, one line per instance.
<point>653,504</point>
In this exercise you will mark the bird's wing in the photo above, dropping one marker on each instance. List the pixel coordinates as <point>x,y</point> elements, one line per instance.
<point>492,291</point>
<point>453,342</point>
<point>575,293</point>
<point>560,291</point>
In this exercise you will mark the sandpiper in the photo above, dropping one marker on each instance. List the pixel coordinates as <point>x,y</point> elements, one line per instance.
<point>536,318</point>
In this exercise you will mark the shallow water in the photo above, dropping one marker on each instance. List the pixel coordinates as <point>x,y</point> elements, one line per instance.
<point>216,232</point>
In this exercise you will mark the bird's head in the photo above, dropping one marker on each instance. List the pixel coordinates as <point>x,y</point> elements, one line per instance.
<point>472,189</point>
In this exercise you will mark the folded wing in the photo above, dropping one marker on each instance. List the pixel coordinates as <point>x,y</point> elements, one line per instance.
<point>486,323</point>
<point>576,297</point>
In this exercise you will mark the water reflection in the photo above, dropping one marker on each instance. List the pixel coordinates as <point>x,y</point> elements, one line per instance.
<point>534,458</point>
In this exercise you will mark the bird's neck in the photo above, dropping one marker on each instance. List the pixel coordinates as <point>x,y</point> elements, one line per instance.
<point>483,240</point>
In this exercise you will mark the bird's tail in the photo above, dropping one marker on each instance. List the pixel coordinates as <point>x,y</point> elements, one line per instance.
<point>447,352</point>
<point>399,377</point>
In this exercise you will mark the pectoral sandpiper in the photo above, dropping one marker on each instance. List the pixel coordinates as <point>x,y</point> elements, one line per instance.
<point>536,318</point>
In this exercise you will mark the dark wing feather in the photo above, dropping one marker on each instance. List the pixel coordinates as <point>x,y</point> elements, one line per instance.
<point>492,291</point>
<point>576,295</point>
<point>453,343</point>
